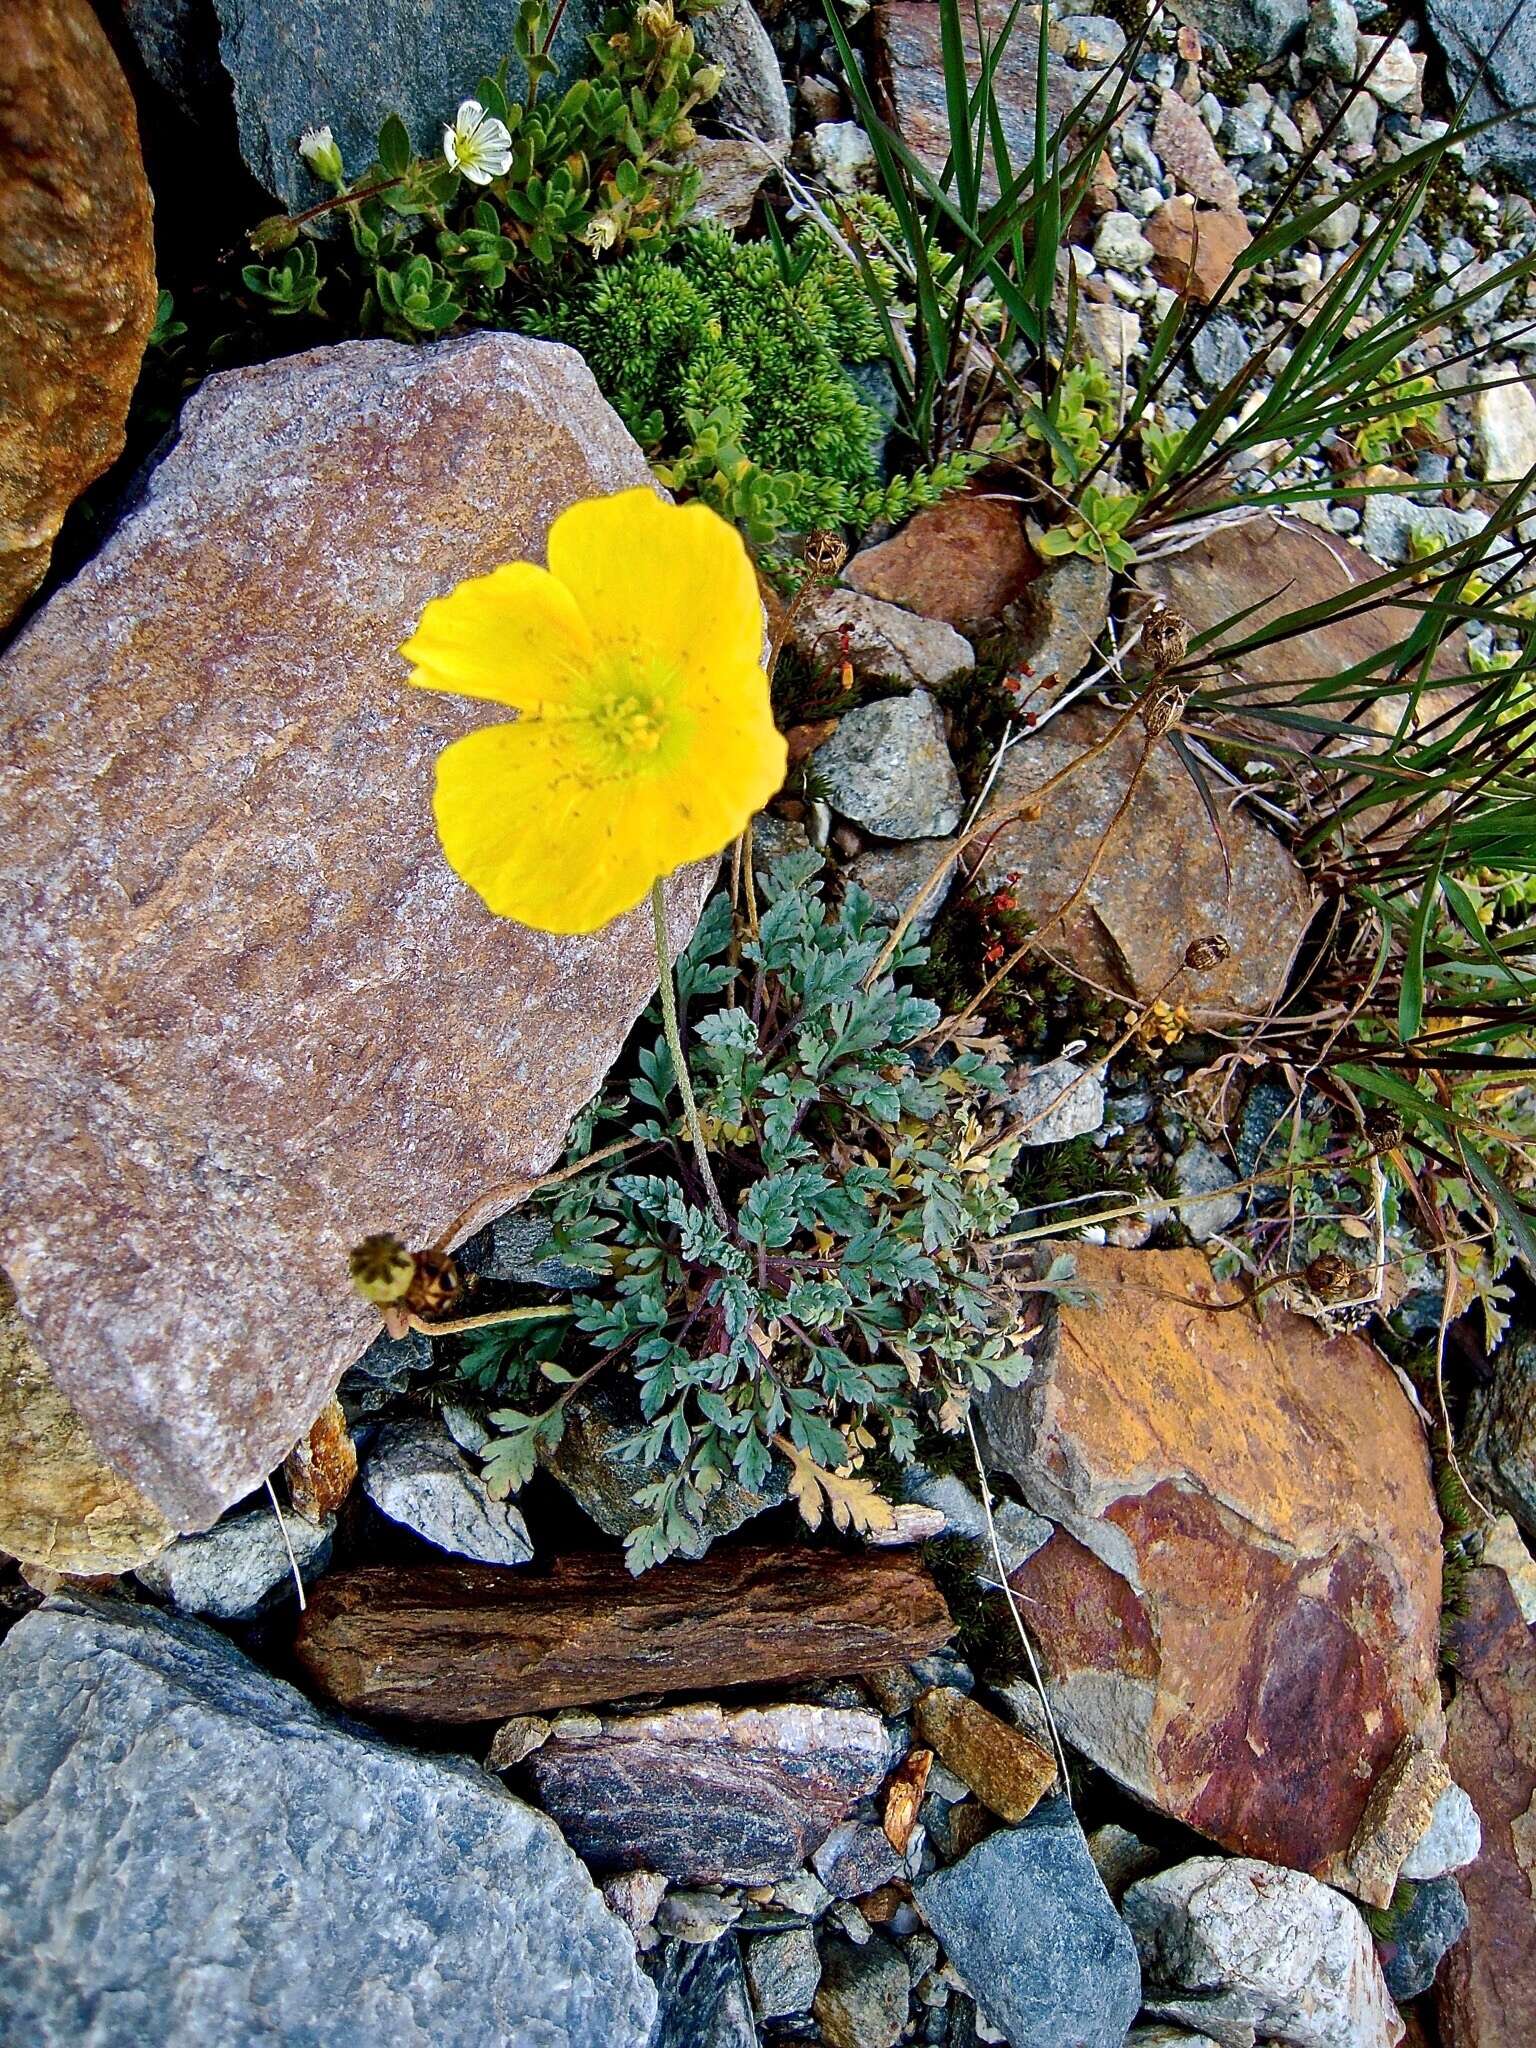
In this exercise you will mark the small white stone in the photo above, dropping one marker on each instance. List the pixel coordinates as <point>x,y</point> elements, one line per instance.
<point>842,154</point>
<point>1055,1102</point>
<point>1505,423</point>
<point>1397,79</point>
<point>1450,1842</point>
<point>1121,244</point>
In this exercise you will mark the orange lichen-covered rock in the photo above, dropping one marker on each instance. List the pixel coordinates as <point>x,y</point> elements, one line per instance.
<point>1486,1993</point>
<point>1239,1611</point>
<point>962,561</point>
<point>77,273</point>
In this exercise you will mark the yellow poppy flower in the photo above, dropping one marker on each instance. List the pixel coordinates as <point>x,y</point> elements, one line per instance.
<point>644,738</point>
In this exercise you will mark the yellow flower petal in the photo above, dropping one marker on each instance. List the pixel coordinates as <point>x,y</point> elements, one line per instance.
<point>529,837</point>
<point>539,841</point>
<point>516,637</point>
<point>674,580</point>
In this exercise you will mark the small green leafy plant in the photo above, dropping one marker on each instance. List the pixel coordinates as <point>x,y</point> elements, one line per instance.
<point>599,168</point>
<point>850,1291</point>
<point>727,361</point>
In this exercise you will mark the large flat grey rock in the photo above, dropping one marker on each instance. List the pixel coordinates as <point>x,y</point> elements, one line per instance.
<point>191,1854</point>
<point>248,1014</point>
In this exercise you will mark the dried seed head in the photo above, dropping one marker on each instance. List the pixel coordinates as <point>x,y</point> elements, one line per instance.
<point>1162,708</point>
<point>824,553</point>
<point>1384,1126</point>
<point>1164,638</point>
<point>381,1267</point>
<point>1330,1277</point>
<point>1206,952</point>
<point>436,1284</point>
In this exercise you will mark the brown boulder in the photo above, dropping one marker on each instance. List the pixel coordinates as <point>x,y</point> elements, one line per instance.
<point>1239,1612</point>
<point>1161,881</point>
<point>963,561</point>
<point>1189,154</point>
<point>62,1507</point>
<point>1486,1990</point>
<point>1196,246</point>
<point>250,1014</point>
<point>77,273</point>
<point>1269,567</point>
<point>460,1642</point>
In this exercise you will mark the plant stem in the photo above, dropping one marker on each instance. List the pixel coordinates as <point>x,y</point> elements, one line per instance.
<point>680,1065</point>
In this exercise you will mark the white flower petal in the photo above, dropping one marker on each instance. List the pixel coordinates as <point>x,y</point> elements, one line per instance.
<point>451,148</point>
<point>469,116</point>
<point>494,134</point>
<point>476,172</point>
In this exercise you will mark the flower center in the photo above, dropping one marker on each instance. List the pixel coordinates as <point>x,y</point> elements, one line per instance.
<point>632,722</point>
<point>624,718</point>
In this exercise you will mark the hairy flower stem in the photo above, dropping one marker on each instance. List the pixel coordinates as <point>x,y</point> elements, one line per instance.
<point>680,1065</point>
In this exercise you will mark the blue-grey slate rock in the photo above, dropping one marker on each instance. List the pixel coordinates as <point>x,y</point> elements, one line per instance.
<point>239,1568</point>
<point>1501,1432</point>
<point>296,64</point>
<point>416,1474</point>
<point>1247,28</point>
<point>703,1995</point>
<point>1029,1926</point>
<point>1502,34</point>
<point>191,1854</point>
<point>864,1997</point>
<point>1435,1921</point>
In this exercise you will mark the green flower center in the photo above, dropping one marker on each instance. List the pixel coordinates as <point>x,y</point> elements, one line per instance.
<point>625,720</point>
<point>632,723</point>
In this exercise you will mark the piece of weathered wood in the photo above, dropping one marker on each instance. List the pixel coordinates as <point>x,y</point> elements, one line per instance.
<point>462,1642</point>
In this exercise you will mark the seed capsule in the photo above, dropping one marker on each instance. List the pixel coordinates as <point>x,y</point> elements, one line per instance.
<point>1204,953</point>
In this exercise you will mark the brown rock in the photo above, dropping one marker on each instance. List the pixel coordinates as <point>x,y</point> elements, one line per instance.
<point>1278,566</point>
<point>1196,246</point>
<point>706,1795</point>
<point>475,1643</point>
<point>321,1467</point>
<point>1006,1769</point>
<point>1161,881</point>
<point>1189,154</point>
<point>904,1798</point>
<point>77,273</point>
<point>516,1740</point>
<point>731,174</point>
<point>909,61</point>
<point>1486,1990</point>
<point>1239,1612</point>
<point>862,1999</point>
<point>963,561</point>
<point>62,1507</point>
<point>249,1012</point>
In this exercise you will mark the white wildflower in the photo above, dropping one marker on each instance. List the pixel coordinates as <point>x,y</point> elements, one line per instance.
<point>600,233</point>
<point>318,148</point>
<point>478,144</point>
